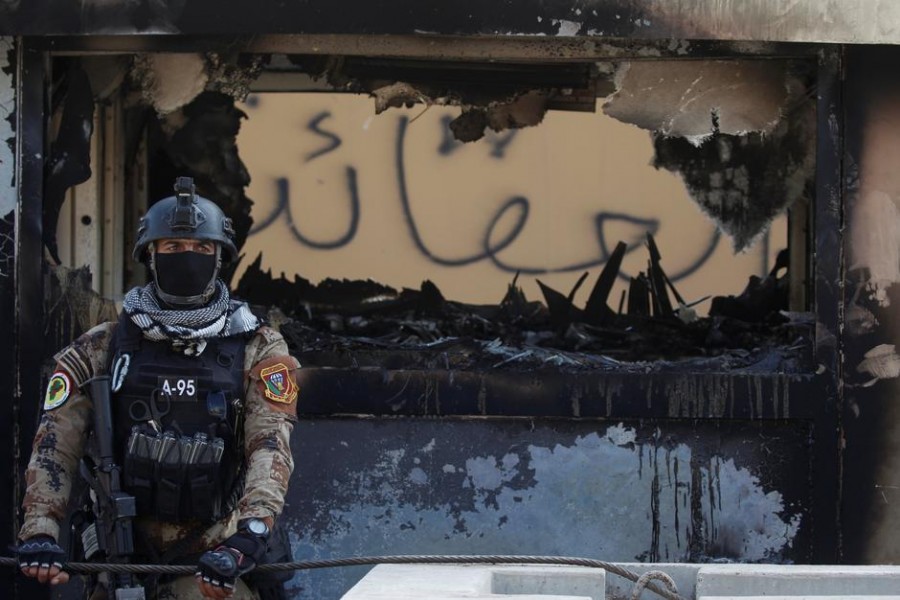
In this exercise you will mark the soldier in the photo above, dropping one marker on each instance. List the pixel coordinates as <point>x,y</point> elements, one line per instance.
<point>204,401</point>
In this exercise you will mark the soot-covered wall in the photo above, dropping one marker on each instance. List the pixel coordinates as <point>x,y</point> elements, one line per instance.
<point>7,289</point>
<point>621,491</point>
<point>871,513</point>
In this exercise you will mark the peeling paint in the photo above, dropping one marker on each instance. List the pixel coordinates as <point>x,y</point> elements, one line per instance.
<point>875,243</point>
<point>233,77</point>
<point>740,133</point>
<point>396,95</point>
<point>169,81</point>
<point>566,28</point>
<point>697,98</point>
<point>744,181</point>
<point>488,473</point>
<point>793,20</point>
<point>626,496</point>
<point>881,362</point>
<point>7,133</point>
<point>621,435</point>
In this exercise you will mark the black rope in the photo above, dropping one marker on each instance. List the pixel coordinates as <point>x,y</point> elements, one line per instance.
<point>80,567</point>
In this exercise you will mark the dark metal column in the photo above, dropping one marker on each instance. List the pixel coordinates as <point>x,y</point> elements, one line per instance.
<point>7,352</point>
<point>827,253</point>
<point>28,319</point>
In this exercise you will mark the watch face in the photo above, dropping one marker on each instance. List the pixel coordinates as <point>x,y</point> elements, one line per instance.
<point>257,526</point>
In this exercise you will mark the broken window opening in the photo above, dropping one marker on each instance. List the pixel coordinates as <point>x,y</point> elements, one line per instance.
<point>731,167</point>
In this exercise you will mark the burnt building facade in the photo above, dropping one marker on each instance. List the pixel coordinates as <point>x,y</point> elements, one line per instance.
<point>624,430</point>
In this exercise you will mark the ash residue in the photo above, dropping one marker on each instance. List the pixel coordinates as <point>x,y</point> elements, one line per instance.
<point>745,181</point>
<point>356,324</point>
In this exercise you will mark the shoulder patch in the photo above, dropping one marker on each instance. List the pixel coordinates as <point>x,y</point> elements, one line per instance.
<point>59,388</point>
<point>275,379</point>
<point>76,362</point>
<point>279,383</point>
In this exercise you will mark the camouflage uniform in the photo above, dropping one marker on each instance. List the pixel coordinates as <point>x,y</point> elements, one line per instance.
<point>62,432</point>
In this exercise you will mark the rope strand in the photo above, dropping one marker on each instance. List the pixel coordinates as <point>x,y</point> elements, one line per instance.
<point>84,568</point>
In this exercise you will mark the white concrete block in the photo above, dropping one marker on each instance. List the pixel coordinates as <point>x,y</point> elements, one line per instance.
<point>416,580</point>
<point>741,580</point>
<point>488,582</point>
<point>871,597</point>
<point>548,580</point>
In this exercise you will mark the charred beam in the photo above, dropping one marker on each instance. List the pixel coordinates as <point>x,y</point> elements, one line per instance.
<point>597,310</point>
<point>562,311</point>
<point>662,306</point>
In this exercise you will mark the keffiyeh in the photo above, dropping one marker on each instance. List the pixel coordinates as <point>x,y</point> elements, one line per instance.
<point>188,329</point>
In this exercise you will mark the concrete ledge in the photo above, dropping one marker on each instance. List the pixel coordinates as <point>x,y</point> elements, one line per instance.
<point>739,580</point>
<point>558,582</point>
<point>870,597</point>
<point>548,579</point>
<point>457,582</point>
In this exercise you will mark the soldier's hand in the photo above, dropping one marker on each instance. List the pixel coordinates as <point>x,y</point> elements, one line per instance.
<point>219,569</point>
<point>41,557</point>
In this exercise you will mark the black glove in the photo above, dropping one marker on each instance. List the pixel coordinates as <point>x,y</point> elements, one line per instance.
<point>237,555</point>
<point>40,551</point>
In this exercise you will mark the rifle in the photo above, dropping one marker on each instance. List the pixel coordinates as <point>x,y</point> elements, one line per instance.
<point>114,508</point>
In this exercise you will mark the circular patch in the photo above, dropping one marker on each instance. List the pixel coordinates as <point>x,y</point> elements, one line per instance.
<point>58,389</point>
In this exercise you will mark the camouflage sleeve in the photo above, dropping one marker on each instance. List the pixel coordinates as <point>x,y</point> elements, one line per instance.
<point>59,441</point>
<point>270,413</point>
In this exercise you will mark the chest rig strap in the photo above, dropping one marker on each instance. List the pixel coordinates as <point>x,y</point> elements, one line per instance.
<point>125,342</point>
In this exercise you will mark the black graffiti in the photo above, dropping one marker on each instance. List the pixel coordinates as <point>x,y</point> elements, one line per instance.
<point>283,206</point>
<point>283,194</point>
<point>490,248</point>
<point>651,226</point>
<point>490,251</point>
<point>333,139</point>
<point>601,220</point>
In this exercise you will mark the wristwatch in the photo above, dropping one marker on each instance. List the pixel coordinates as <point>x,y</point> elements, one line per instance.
<point>255,526</point>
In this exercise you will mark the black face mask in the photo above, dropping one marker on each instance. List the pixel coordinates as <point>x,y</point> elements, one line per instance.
<point>184,274</point>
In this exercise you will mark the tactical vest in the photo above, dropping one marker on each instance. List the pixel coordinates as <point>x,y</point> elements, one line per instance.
<point>178,421</point>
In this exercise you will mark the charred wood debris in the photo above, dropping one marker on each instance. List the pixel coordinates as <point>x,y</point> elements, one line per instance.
<point>342,323</point>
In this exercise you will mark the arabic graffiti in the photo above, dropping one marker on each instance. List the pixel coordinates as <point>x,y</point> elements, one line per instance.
<point>492,244</point>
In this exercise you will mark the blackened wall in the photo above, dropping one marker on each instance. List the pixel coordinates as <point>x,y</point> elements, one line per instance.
<point>871,485</point>
<point>774,20</point>
<point>7,291</point>
<point>658,491</point>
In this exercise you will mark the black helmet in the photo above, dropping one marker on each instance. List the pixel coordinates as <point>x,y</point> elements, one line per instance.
<point>185,215</point>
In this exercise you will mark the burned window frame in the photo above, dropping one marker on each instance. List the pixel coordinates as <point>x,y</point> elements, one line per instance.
<point>815,398</point>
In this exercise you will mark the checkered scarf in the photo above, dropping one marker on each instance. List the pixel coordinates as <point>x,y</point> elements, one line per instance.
<point>188,329</point>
